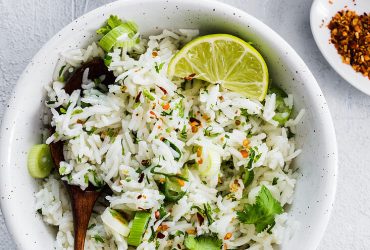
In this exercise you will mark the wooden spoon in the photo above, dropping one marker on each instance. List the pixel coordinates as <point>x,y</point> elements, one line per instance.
<point>82,201</point>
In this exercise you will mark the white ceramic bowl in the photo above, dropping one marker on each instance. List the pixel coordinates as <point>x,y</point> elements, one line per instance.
<point>317,164</point>
<point>321,13</point>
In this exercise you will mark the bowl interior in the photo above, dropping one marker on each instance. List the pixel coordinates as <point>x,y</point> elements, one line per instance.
<point>321,13</point>
<point>21,126</point>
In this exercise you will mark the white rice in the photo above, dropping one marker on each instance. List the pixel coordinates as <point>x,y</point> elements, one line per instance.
<point>113,155</point>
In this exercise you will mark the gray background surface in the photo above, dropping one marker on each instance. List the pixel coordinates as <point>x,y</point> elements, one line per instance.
<point>25,25</point>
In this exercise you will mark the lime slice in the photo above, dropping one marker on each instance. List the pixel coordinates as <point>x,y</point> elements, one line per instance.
<point>39,161</point>
<point>223,59</point>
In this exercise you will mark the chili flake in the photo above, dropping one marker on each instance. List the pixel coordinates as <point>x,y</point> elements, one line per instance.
<point>244,153</point>
<point>350,34</point>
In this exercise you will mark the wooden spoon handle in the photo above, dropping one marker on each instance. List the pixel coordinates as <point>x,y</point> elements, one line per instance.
<point>82,206</point>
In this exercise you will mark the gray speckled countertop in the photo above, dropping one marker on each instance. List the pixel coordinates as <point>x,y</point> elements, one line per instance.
<point>25,25</point>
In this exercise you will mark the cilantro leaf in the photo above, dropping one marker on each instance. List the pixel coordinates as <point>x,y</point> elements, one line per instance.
<point>98,238</point>
<point>158,67</point>
<point>209,242</point>
<point>262,213</point>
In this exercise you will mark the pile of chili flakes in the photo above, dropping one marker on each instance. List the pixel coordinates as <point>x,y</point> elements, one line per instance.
<point>350,34</point>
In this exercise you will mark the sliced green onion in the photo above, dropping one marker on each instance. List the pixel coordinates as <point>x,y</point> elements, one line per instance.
<point>115,222</point>
<point>111,38</point>
<point>148,95</point>
<point>172,189</point>
<point>138,228</point>
<point>39,161</point>
<point>169,175</point>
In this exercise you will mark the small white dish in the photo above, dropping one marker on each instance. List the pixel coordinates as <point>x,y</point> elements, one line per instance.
<point>321,13</point>
<point>316,185</point>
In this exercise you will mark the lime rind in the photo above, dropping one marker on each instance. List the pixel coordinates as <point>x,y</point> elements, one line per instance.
<point>223,59</point>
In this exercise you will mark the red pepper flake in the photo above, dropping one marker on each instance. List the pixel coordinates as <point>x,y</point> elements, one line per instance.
<point>194,123</point>
<point>350,34</point>
<point>145,163</point>
<point>194,120</point>
<point>200,218</point>
<point>163,90</point>
<point>141,178</point>
<point>162,228</point>
<point>194,129</point>
<point>244,153</point>
<point>137,98</point>
<point>154,53</point>
<point>228,236</point>
<point>166,106</point>
<point>157,214</point>
<point>189,77</point>
<point>245,143</point>
<point>153,114</point>
<point>206,117</point>
<point>160,235</point>
<point>221,98</point>
<point>80,121</point>
<point>139,196</point>
<point>237,122</point>
<point>200,161</point>
<point>181,182</point>
<point>191,231</point>
<point>199,152</point>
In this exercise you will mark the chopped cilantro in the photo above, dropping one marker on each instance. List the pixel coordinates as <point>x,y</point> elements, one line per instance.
<point>86,178</point>
<point>162,212</point>
<point>262,213</point>
<point>206,212</point>
<point>275,180</point>
<point>91,131</point>
<point>248,177</point>
<point>107,60</point>
<point>158,67</point>
<point>166,113</point>
<point>244,112</point>
<point>62,170</point>
<point>183,133</point>
<point>253,157</point>
<point>62,110</point>
<point>77,111</point>
<point>50,102</point>
<point>91,226</point>
<point>208,130</point>
<point>98,238</point>
<point>180,107</point>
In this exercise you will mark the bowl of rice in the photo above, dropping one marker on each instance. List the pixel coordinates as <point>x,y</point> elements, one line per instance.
<point>185,156</point>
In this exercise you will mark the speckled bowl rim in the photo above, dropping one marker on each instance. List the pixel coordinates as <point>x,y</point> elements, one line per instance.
<point>6,137</point>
